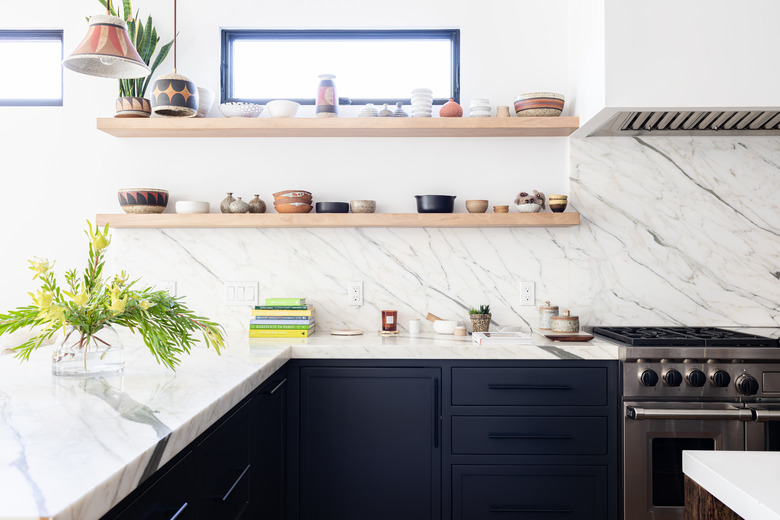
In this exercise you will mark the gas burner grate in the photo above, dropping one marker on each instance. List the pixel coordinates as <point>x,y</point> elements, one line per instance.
<point>683,337</point>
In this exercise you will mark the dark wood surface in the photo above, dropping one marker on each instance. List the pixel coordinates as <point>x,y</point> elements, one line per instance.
<point>701,505</point>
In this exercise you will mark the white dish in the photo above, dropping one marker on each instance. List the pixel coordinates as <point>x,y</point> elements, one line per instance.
<point>238,109</point>
<point>192,206</point>
<point>282,108</point>
<point>445,326</point>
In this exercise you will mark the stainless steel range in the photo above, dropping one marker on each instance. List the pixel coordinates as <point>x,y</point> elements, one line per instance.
<point>691,388</point>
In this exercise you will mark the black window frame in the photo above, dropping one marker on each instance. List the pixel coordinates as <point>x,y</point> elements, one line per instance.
<point>229,36</point>
<point>36,34</point>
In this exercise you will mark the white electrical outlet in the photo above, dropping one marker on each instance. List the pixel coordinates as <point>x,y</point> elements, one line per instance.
<point>527,293</point>
<point>355,293</point>
<point>168,286</point>
<point>240,293</point>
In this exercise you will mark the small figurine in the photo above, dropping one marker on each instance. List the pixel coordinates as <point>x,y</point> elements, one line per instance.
<point>530,203</point>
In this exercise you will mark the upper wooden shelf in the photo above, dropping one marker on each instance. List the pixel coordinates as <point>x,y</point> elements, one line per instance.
<point>339,220</point>
<point>341,127</point>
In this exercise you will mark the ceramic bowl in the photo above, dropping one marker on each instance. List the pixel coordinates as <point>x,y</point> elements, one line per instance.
<point>445,326</point>
<point>332,207</point>
<point>295,207</point>
<point>192,206</point>
<point>557,197</point>
<point>143,200</point>
<point>529,208</point>
<point>286,194</point>
<point>435,203</point>
<point>476,206</point>
<point>539,104</point>
<point>501,209</point>
<point>422,92</point>
<point>282,108</point>
<point>480,102</point>
<point>362,206</point>
<point>239,109</point>
<point>557,206</point>
<point>206,99</point>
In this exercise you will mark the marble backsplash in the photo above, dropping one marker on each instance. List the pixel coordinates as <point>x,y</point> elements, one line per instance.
<point>674,231</point>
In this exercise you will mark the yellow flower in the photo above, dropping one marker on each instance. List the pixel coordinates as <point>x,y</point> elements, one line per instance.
<point>145,304</point>
<point>53,313</point>
<point>41,267</point>
<point>42,300</point>
<point>121,278</point>
<point>99,240</point>
<point>117,304</point>
<point>80,299</point>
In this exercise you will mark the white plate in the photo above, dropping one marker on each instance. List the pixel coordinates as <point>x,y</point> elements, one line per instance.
<point>346,332</point>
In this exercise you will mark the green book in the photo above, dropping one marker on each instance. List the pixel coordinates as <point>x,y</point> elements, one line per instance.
<point>281,307</point>
<point>285,301</point>
<point>282,327</point>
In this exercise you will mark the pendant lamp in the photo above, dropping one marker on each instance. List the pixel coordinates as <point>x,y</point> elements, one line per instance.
<point>106,51</point>
<point>174,95</point>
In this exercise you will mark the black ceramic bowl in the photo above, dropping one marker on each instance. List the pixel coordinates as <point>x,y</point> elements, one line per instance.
<point>435,203</point>
<point>332,207</point>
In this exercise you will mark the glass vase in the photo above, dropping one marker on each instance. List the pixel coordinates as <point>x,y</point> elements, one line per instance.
<point>78,354</point>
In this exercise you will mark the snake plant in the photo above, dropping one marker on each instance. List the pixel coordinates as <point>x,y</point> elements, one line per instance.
<point>145,40</point>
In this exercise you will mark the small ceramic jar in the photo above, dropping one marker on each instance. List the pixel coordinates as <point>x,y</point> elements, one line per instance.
<point>239,206</point>
<point>546,313</point>
<point>224,206</point>
<point>566,323</point>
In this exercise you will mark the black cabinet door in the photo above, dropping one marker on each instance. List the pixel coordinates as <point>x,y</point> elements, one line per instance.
<point>268,448</point>
<point>370,443</point>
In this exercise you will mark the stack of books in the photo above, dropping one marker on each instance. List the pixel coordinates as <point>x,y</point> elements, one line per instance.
<point>282,318</point>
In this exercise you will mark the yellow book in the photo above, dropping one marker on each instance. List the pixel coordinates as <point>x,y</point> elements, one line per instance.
<point>280,312</point>
<point>271,333</point>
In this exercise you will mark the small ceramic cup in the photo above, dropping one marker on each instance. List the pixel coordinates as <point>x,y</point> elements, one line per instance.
<point>476,206</point>
<point>500,209</point>
<point>414,326</point>
<point>362,206</point>
<point>502,111</point>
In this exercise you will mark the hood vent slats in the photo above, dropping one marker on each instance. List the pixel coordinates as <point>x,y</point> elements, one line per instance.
<point>702,122</point>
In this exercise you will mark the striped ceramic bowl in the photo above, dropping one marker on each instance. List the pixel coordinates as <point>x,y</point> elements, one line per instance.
<point>539,104</point>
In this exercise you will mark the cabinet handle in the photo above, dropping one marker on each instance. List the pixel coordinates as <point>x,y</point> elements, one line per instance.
<point>527,436</point>
<point>246,469</point>
<point>180,511</point>
<point>277,387</point>
<point>529,387</point>
<point>513,509</point>
<point>436,412</point>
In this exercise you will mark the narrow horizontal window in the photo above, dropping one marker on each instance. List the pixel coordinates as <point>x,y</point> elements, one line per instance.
<point>371,66</point>
<point>32,61</point>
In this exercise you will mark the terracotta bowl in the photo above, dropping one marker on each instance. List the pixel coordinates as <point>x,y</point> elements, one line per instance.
<point>291,200</point>
<point>296,207</point>
<point>143,200</point>
<point>292,193</point>
<point>500,209</point>
<point>476,206</point>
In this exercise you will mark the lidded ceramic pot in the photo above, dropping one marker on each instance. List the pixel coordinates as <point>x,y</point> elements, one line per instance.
<point>546,313</point>
<point>566,323</point>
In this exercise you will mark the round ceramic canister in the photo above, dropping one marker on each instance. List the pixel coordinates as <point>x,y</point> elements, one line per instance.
<point>566,323</point>
<point>546,313</point>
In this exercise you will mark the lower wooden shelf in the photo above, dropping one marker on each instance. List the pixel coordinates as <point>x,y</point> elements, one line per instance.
<point>339,220</point>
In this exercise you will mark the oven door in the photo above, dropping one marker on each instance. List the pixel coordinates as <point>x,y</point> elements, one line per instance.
<point>654,437</point>
<point>764,433</point>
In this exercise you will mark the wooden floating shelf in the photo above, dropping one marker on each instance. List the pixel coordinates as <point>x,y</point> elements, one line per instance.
<point>339,220</point>
<point>341,127</point>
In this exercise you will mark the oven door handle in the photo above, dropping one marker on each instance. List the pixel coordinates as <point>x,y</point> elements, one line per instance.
<point>736,414</point>
<point>767,415</point>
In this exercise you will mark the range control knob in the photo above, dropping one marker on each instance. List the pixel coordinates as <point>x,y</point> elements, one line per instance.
<point>673,378</point>
<point>696,378</point>
<point>720,378</point>
<point>746,385</point>
<point>648,378</point>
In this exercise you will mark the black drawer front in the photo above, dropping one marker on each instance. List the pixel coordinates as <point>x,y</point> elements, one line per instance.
<point>529,386</point>
<point>529,435</point>
<point>529,492</point>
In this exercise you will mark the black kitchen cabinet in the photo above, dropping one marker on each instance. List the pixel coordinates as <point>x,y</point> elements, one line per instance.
<point>370,443</point>
<point>268,447</point>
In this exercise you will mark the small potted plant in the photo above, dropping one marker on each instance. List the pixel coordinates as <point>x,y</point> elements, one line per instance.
<point>480,318</point>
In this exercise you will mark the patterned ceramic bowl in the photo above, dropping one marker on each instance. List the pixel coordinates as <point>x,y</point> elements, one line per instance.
<point>143,200</point>
<point>295,207</point>
<point>539,104</point>
<point>238,109</point>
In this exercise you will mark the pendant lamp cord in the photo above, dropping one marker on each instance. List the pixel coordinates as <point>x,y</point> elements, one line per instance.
<point>174,36</point>
<point>108,7</point>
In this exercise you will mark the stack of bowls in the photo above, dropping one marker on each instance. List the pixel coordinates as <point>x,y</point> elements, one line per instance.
<point>422,102</point>
<point>292,201</point>
<point>557,202</point>
<point>480,108</point>
<point>368,111</point>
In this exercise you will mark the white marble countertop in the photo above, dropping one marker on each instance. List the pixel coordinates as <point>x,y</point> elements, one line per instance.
<point>746,481</point>
<point>72,448</point>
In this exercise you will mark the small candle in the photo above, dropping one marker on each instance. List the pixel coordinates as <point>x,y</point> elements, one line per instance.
<point>389,321</point>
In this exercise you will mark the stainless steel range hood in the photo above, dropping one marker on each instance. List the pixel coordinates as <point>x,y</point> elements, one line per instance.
<point>671,68</point>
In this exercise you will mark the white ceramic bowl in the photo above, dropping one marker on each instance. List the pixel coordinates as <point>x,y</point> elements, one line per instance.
<point>445,326</point>
<point>422,91</point>
<point>422,101</point>
<point>282,108</point>
<point>239,109</point>
<point>192,206</point>
<point>529,208</point>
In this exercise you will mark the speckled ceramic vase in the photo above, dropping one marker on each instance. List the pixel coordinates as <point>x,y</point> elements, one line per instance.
<point>175,95</point>
<point>256,205</point>
<point>451,109</point>
<point>385,112</point>
<point>129,106</point>
<point>224,206</point>
<point>239,206</point>
<point>480,322</point>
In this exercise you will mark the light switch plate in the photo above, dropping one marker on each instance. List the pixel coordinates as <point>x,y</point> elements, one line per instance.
<point>240,293</point>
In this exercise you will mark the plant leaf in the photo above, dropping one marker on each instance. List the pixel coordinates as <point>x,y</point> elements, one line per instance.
<point>146,43</point>
<point>139,35</point>
<point>164,50</point>
<point>128,8</point>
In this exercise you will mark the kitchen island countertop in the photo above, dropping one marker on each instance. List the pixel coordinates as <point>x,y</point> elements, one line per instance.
<point>72,448</point>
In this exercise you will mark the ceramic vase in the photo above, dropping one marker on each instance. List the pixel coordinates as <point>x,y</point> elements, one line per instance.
<point>239,206</point>
<point>256,205</point>
<point>480,322</point>
<point>224,206</point>
<point>399,110</point>
<point>385,112</point>
<point>327,102</point>
<point>78,354</point>
<point>451,109</point>
<point>129,106</point>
